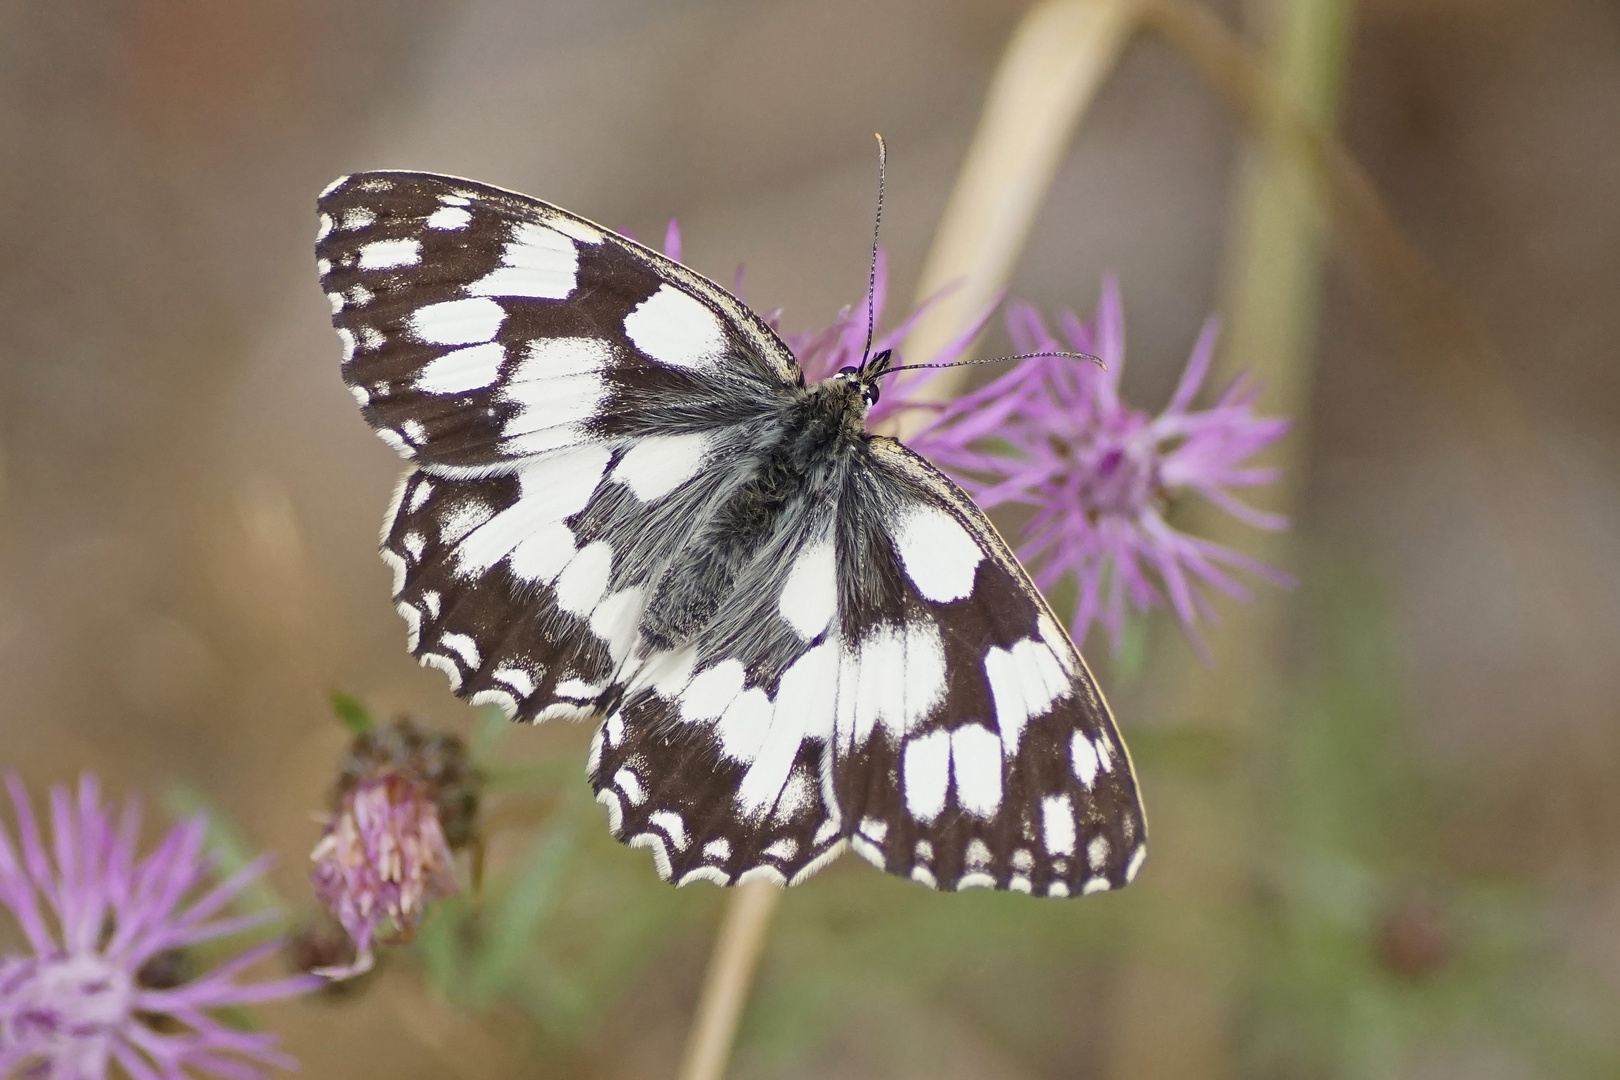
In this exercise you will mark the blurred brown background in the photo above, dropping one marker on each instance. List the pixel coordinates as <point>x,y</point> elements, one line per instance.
<point>189,504</point>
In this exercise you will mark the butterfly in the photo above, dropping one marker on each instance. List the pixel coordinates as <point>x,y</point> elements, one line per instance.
<point>625,504</point>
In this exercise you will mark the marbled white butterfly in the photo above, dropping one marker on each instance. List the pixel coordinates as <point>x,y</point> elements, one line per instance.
<point>625,503</point>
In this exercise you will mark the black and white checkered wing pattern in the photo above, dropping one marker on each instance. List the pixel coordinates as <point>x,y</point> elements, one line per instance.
<point>718,757</point>
<point>480,326</point>
<point>563,394</point>
<point>972,747</point>
<point>886,677</point>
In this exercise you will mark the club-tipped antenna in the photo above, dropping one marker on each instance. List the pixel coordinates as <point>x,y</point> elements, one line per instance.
<point>871,277</point>
<point>999,360</point>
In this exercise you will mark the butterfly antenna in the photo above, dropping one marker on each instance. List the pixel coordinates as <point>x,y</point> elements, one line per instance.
<point>871,277</point>
<point>1000,360</point>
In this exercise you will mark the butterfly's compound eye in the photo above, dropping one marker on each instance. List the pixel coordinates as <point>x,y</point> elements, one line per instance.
<point>848,372</point>
<point>869,391</point>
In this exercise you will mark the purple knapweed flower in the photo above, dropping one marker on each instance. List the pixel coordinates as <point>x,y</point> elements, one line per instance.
<point>1099,476</point>
<point>405,799</point>
<point>110,940</point>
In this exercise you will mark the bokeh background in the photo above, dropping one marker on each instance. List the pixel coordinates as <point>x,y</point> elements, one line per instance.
<point>1424,822</point>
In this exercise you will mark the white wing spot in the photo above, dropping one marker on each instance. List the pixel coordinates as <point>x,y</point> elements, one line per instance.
<point>783,849</point>
<point>673,824</point>
<point>926,769</point>
<point>537,262</point>
<point>531,530</point>
<point>718,850</point>
<point>464,647</point>
<point>655,466</point>
<point>629,783</point>
<point>463,518</point>
<point>576,229</point>
<point>976,763</point>
<point>1105,756</point>
<point>580,585</point>
<point>676,329</point>
<point>449,218</point>
<point>1095,885</point>
<point>347,339</point>
<point>446,665</point>
<point>1097,852</point>
<point>458,322</point>
<point>708,694</point>
<point>874,829</point>
<point>616,619</point>
<point>390,254</point>
<point>579,689</point>
<point>940,557</point>
<point>323,227</point>
<point>809,598</point>
<point>1024,680</point>
<point>521,682</point>
<point>557,385</point>
<point>1136,863</point>
<point>1057,888</point>
<point>1083,756</point>
<point>472,368</point>
<point>1057,824</point>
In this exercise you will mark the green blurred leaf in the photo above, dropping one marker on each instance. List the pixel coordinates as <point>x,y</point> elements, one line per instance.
<point>351,713</point>
<point>514,922</point>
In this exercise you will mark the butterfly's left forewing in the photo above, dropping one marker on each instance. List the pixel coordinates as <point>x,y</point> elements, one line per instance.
<point>564,395</point>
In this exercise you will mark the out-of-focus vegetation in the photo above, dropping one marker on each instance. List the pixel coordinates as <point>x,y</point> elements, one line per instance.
<point>1362,945</point>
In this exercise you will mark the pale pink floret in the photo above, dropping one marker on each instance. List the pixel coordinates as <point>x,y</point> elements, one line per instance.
<point>382,859</point>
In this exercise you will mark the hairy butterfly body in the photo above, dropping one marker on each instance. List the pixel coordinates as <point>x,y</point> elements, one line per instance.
<point>625,504</point>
